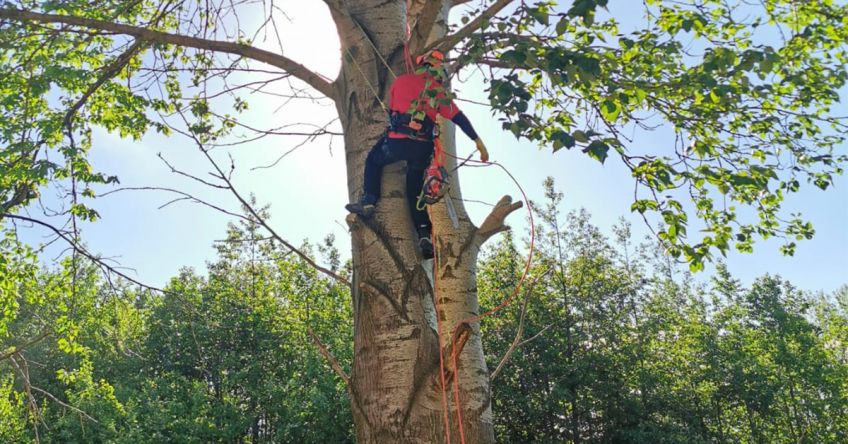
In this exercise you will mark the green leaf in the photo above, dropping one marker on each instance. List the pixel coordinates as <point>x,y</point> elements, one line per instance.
<point>597,150</point>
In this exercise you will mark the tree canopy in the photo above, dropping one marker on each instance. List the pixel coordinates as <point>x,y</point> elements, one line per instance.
<point>750,91</point>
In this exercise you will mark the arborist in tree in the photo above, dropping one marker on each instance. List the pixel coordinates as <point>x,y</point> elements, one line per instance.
<point>414,102</point>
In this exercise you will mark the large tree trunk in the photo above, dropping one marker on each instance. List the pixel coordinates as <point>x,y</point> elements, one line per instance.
<point>395,380</point>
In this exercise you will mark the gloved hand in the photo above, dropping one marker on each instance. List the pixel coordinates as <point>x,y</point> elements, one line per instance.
<point>484,154</point>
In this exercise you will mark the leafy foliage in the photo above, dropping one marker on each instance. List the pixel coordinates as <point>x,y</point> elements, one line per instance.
<point>615,349</point>
<point>751,92</point>
<point>616,346</point>
<point>219,358</point>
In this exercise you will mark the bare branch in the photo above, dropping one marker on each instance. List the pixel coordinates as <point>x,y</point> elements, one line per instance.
<point>148,35</point>
<point>81,250</point>
<point>261,220</point>
<point>447,42</point>
<point>517,342</point>
<point>494,222</point>
<point>184,196</point>
<point>334,363</point>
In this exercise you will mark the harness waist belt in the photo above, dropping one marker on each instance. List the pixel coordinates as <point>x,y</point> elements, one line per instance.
<point>403,123</point>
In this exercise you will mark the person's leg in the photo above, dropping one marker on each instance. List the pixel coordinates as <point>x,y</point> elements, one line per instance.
<point>378,157</point>
<point>417,162</point>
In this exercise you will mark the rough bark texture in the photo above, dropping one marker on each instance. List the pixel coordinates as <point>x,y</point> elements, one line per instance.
<point>395,379</point>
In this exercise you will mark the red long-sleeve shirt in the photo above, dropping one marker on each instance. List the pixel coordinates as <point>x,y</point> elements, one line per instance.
<point>408,88</point>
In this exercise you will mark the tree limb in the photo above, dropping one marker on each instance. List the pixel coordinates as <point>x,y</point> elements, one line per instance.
<point>19,348</point>
<point>109,71</point>
<point>79,249</point>
<point>148,35</point>
<point>494,222</point>
<point>21,195</point>
<point>29,386</point>
<point>228,184</point>
<point>426,20</point>
<point>447,42</point>
<point>334,363</point>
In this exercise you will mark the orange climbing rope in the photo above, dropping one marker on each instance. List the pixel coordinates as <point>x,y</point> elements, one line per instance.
<point>438,159</point>
<point>437,306</point>
<point>407,55</point>
<point>455,331</point>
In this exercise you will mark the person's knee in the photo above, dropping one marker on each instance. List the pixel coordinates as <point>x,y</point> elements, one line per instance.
<point>375,156</point>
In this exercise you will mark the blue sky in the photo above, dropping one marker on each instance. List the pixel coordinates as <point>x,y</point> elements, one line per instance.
<point>307,190</point>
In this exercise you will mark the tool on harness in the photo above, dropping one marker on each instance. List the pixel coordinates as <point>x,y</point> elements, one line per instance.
<point>436,177</point>
<point>437,182</point>
<point>433,57</point>
<point>436,185</point>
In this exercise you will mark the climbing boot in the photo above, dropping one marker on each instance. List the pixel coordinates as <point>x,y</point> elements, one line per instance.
<point>425,243</point>
<point>426,246</point>
<point>365,207</point>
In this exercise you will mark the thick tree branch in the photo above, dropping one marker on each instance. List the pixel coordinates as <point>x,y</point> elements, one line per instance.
<point>424,26</point>
<point>494,222</point>
<point>449,41</point>
<point>148,35</point>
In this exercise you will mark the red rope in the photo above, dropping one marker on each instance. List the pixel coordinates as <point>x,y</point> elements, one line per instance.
<point>469,320</point>
<point>407,55</point>
<point>437,305</point>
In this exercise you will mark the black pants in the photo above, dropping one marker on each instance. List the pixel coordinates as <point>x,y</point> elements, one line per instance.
<point>417,155</point>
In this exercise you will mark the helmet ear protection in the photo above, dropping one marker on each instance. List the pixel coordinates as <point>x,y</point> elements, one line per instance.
<point>433,57</point>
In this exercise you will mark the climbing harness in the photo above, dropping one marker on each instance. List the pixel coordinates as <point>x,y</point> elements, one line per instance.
<point>412,125</point>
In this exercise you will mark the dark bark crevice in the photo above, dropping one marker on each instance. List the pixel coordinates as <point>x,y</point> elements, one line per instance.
<point>380,290</point>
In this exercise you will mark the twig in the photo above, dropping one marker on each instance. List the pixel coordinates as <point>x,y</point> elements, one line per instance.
<point>517,342</point>
<point>79,249</point>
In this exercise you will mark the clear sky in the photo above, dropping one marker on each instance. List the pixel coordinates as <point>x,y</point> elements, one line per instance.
<point>307,189</point>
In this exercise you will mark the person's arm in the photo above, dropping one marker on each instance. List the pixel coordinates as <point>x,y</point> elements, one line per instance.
<point>465,125</point>
<point>452,112</point>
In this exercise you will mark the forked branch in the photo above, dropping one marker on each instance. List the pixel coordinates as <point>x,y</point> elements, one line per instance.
<point>494,222</point>
<point>518,342</point>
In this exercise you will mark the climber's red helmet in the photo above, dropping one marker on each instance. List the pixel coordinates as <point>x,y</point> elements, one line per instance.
<point>434,58</point>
